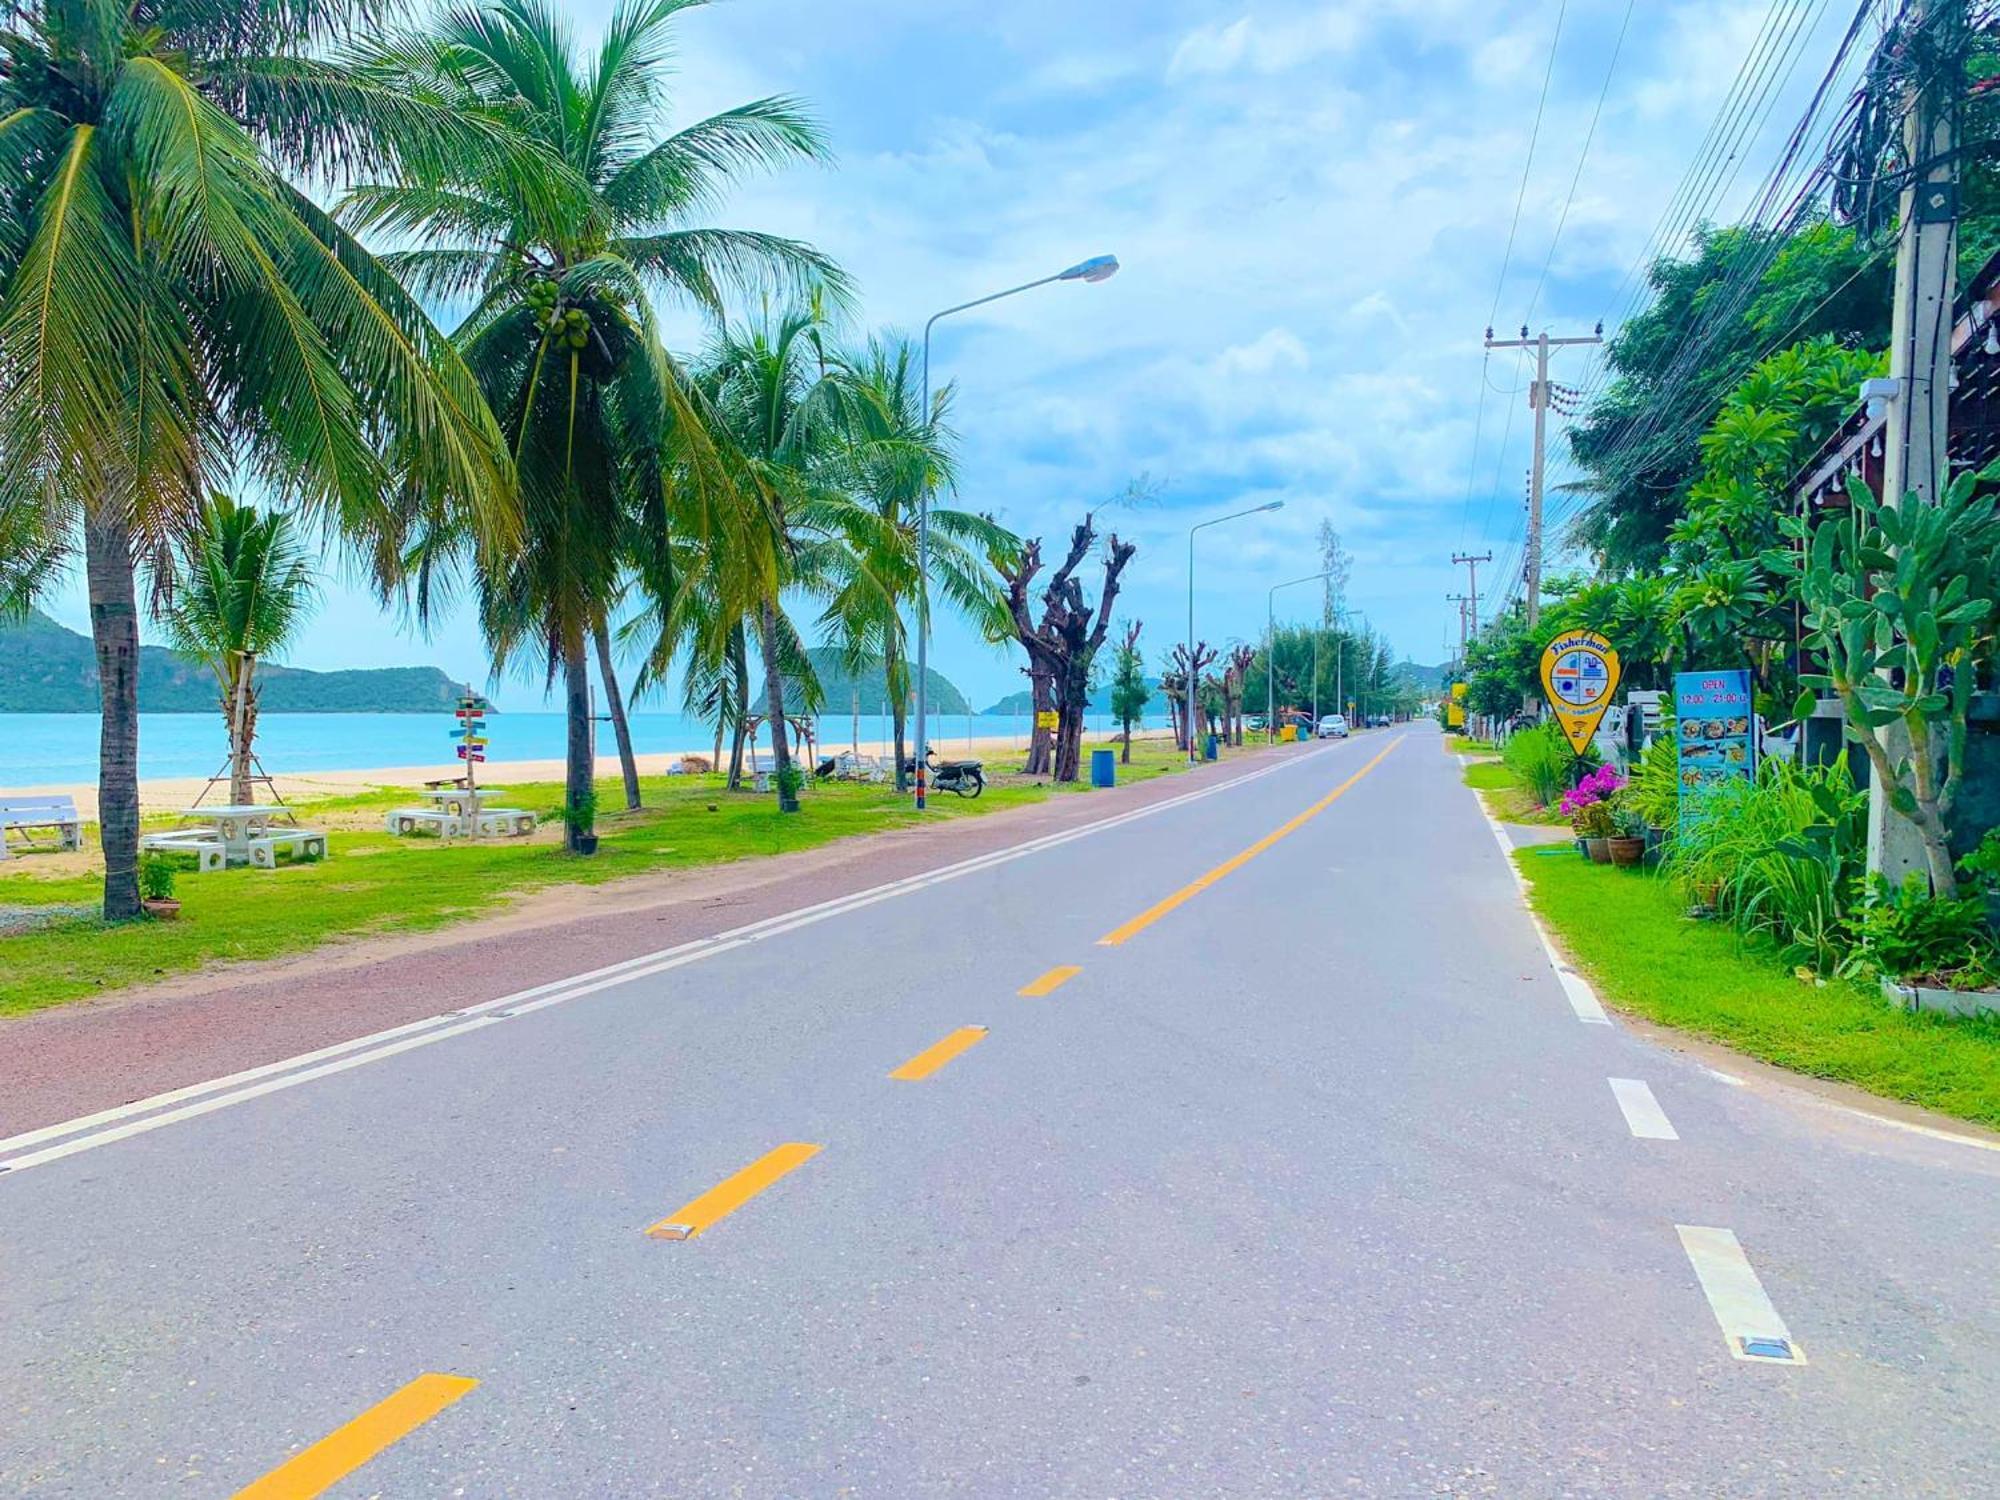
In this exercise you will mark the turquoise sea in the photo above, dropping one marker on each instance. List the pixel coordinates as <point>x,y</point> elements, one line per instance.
<point>61,749</point>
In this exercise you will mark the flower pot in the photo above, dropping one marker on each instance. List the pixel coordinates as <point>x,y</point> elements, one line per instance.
<point>1599,850</point>
<point>1627,851</point>
<point>165,908</point>
<point>586,843</point>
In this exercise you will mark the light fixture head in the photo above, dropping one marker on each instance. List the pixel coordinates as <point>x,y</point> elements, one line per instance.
<point>1097,268</point>
<point>1274,505</point>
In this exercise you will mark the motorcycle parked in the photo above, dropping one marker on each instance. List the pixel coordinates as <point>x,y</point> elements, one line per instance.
<point>967,778</point>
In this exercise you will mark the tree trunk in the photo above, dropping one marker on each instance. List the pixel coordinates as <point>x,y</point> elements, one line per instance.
<point>614,702</point>
<point>114,629</point>
<point>242,735</point>
<point>739,660</point>
<point>1126,757</point>
<point>1041,745</point>
<point>900,709</point>
<point>1072,702</point>
<point>579,778</point>
<point>774,699</point>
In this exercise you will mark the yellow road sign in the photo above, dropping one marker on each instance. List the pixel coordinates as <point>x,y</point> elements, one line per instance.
<point>1047,719</point>
<point>1580,672</point>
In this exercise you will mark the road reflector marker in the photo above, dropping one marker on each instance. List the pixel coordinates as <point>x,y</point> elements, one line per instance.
<point>345,1449</point>
<point>1642,1111</point>
<point>937,1055</point>
<point>1750,1325</point>
<point>1052,981</point>
<point>1230,866</point>
<point>722,1200</point>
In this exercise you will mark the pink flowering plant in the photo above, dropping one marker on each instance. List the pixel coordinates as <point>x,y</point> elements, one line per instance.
<point>1587,805</point>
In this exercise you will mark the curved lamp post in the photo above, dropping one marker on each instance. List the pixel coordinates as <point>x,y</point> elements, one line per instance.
<point>1097,268</point>
<point>1193,684</point>
<point>1271,656</point>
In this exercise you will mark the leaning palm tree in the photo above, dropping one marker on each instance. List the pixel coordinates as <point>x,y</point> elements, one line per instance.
<point>173,310</point>
<point>896,451</point>
<point>239,589</point>
<point>561,330</point>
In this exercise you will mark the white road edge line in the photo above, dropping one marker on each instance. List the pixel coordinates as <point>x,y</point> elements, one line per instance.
<point>1642,1111</point>
<point>252,1083</point>
<point>1736,1296</point>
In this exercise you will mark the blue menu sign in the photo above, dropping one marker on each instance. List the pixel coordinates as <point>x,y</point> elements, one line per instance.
<point>1716,726</point>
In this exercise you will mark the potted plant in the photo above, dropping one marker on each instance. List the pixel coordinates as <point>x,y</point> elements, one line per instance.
<point>1627,844</point>
<point>1588,807</point>
<point>580,818</point>
<point>156,888</point>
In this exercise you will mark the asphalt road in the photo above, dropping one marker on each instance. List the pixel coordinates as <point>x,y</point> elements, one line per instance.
<point>1313,1181</point>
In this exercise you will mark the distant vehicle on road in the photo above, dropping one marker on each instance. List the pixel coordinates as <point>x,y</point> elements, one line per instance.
<point>1333,727</point>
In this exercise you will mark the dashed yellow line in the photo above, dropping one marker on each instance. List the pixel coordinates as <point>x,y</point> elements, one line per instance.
<point>342,1451</point>
<point>1236,862</point>
<point>938,1054</point>
<point>1052,981</point>
<point>722,1200</point>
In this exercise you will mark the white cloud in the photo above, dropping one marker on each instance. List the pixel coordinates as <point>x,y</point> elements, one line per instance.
<point>1264,44</point>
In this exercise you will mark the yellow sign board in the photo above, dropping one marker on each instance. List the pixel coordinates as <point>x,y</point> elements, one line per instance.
<point>1580,672</point>
<point>1047,719</point>
<point>1454,711</point>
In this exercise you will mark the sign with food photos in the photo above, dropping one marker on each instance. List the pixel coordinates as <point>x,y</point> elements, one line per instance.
<point>1716,730</point>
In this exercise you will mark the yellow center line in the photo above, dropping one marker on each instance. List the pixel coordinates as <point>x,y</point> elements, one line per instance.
<point>1236,862</point>
<point>934,1057</point>
<point>345,1449</point>
<point>722,1200</point>
<point>1052,981</point>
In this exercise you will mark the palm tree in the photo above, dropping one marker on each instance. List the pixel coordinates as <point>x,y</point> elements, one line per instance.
<point>896,452</point>
<point>172,308</point>
<point>785,409</point>
<point>239,589</point>
<point>559,265</point>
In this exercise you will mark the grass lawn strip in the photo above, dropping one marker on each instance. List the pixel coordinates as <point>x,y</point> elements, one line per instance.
<point>377,883</point>
<point>1506,798</point>
<point>1626,930</point>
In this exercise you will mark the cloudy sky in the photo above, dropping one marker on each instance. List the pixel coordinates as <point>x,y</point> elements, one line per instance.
<point>1310,200</point>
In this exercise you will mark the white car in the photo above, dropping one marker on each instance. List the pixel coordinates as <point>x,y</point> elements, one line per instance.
<point>1333,727</point>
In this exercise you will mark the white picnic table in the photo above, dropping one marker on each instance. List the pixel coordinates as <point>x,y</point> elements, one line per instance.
<point>243,830</point>
<point>453,799</point>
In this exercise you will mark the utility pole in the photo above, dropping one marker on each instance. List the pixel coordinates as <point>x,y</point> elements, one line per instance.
<point>1926,289</point>
<point>1538,402</point>
<point>1472,567</point>
<point>1463,634</point>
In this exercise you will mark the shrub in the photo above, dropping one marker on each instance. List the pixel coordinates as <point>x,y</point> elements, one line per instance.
<point>1542,758</point>
<point>1655,790</point>
<point>1917,938</point>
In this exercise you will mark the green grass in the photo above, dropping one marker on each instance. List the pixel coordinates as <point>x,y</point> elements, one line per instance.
<point>1459,744</point>
<point>1509,800</point>
<point>1627,931</point>
<point>375,883</point>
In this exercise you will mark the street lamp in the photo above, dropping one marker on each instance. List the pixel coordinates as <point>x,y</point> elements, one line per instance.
<point>1271,656</point>
<point>1340,661</point>
<point>1193,683</point>
<point>1097,268</point>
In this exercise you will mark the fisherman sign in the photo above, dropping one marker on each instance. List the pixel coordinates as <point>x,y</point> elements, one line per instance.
<point>1579,675</point>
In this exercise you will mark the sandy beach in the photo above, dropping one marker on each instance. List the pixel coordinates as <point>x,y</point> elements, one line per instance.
<point>170,794</point>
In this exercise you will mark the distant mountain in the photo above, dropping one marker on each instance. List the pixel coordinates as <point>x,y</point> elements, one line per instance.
<point>1100,701</point>
<point>47,669</point>
<point>1428,679</point>
<point>838,687</point>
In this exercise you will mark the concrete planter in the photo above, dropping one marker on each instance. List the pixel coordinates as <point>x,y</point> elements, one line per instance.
<point>1950,1002</point>
<point>1627,851</point>
<point>1599,850</point>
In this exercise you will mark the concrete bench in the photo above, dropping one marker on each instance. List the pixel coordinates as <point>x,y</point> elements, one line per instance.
<point>209,853</point>
<point>55,815</point>
<point>300,843</point>
<point>405,821</point>
<point>506,822</point>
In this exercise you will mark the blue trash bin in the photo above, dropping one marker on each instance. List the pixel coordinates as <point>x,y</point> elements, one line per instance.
<point>1208,750</point>
<point>1103,768</point>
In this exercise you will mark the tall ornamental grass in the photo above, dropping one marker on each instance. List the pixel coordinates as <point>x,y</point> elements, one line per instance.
<point>1542,758</point>
<point>1781,857</point>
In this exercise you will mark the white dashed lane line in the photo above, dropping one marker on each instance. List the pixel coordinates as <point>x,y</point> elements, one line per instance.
<point>1642,1111</point>
<point>1750,1325</point>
